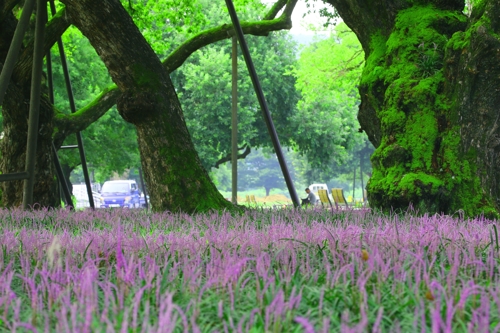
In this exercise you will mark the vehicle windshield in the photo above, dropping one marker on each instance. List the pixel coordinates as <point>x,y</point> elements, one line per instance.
<point>115,188</point>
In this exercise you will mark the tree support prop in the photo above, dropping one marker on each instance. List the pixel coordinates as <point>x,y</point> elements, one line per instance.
<point>13,176</point>
<point>63,185</point>
<point>234,122</point>
<point>15,46</point>
<point>36,83</point>
<point>62,180</point>
<point>262,102</point>
<point>71,99</point>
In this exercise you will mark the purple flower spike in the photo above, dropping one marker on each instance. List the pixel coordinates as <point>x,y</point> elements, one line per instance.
<point>308,327</point>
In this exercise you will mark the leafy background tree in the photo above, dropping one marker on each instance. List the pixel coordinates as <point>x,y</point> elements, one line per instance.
<point>327,74</point>
<point>205,93</point>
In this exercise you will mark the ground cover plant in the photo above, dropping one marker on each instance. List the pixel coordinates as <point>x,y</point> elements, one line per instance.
<point>263,271</point>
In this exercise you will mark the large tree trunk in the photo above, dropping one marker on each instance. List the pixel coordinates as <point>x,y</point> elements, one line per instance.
<point>15,110</point>
<point>429,102</point>
<point>175,177</point>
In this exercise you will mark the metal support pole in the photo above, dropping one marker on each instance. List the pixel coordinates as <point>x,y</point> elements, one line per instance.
<point>36,80</point>
<point>73,110</point>
<point>234,123</point>
<point>353,179</point>
<point>50,77</point>
<point>262,102</point>
<point>143,188</point>
<point>15,46</point>
<point>64,186</point>
<point>13,176</point>
<point>361,176</point>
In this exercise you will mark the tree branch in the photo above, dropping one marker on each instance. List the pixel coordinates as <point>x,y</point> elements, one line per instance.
<point>80,120</point>
<point>278,5</point>
<point>204,38</point>
<point>227,158</point>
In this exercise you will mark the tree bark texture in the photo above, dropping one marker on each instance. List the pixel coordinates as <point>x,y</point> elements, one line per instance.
<point>175,177</point>
<point>15,123</point>
<point>429,102</point>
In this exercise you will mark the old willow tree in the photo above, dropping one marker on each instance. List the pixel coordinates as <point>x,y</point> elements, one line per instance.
<point>430,96</point>
<point>144,95</point>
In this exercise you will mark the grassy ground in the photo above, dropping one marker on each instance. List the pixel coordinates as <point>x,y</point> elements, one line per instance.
<point>275,198</point>
<point>279,198</point>
<point>264,271</point>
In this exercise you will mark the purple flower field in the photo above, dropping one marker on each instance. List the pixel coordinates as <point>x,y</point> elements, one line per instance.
<point>264,271</point>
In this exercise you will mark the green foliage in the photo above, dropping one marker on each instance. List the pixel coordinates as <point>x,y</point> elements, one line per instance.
<point>204,88</point>
<point>203,84</point>
<point>161,20</point>
<point>262,169</point>
<point>325,124</point>
<point>87,72</point>
<point>430,60</point>
<point>167,23</point>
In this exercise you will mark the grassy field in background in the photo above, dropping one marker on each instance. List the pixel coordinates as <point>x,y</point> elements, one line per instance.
<point>279,197</point>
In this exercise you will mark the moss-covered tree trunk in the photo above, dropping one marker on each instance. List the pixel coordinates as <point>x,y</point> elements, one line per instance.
<point>175,177</point>
<point>430,93</point>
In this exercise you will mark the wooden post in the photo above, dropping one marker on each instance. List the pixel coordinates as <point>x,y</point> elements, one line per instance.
<point>234,123</point>
<point>353,181</point>
<point>361,176</point>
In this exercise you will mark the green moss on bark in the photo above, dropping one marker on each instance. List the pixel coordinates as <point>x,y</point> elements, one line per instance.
<point>418,161</point>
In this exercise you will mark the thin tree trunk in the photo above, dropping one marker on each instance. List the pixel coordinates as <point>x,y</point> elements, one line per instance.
<point>354,180</point>
<point>361,175</point>
<point>268,190</point>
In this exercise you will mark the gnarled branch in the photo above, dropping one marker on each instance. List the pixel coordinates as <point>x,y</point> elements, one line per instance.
<point>204,38</point>
<point>278,5</point>
<point>78,121</point>
<point>227,158</point>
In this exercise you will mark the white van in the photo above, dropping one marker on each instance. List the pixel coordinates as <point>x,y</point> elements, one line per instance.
<point>315,187</point>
